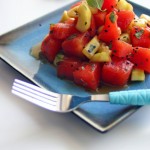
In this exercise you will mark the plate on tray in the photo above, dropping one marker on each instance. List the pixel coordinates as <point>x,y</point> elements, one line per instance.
<point>15,50</point>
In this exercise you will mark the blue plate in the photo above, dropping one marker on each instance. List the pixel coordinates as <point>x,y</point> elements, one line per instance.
<point>15,50</point>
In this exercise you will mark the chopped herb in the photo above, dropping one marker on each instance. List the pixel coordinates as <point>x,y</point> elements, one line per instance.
<point>139,34</point>
<point>58,58</point>
<point>72,37</point>
<point>95,3</point>
<point>91,48</point>
<point>112,17</point>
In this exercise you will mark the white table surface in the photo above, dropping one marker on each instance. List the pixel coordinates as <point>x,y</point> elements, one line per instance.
<point>24,126</point>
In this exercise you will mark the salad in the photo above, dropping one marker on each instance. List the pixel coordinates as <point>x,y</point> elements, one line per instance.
<point>99,42</point>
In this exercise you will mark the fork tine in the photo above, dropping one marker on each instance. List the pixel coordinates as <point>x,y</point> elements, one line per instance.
<point>35,101</point>
<point>47,101</point>
<point>35,89</point>
<point>33,95</point>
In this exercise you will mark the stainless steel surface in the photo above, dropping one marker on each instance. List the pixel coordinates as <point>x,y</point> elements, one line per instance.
<point>52,101</point>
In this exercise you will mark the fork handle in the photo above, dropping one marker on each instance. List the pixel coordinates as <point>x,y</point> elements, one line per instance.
<point>133,97</point>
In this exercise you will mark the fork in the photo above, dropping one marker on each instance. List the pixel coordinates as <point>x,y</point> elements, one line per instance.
<point>66,103</point>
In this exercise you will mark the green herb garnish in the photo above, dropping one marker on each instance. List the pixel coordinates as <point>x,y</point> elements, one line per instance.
<point>72,37</point>
<point>91,48</point>
<point>139,34</point>
<point>112,17</point>
<point>58,58</point>
<point>95,3</point>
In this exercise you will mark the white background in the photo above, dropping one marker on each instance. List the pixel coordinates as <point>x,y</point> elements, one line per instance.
<point>24,126</point>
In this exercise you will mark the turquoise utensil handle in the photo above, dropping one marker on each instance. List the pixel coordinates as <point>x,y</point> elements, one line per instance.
<point>133,97</point>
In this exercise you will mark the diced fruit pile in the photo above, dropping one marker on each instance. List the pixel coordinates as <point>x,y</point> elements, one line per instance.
<point>92,45</point>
